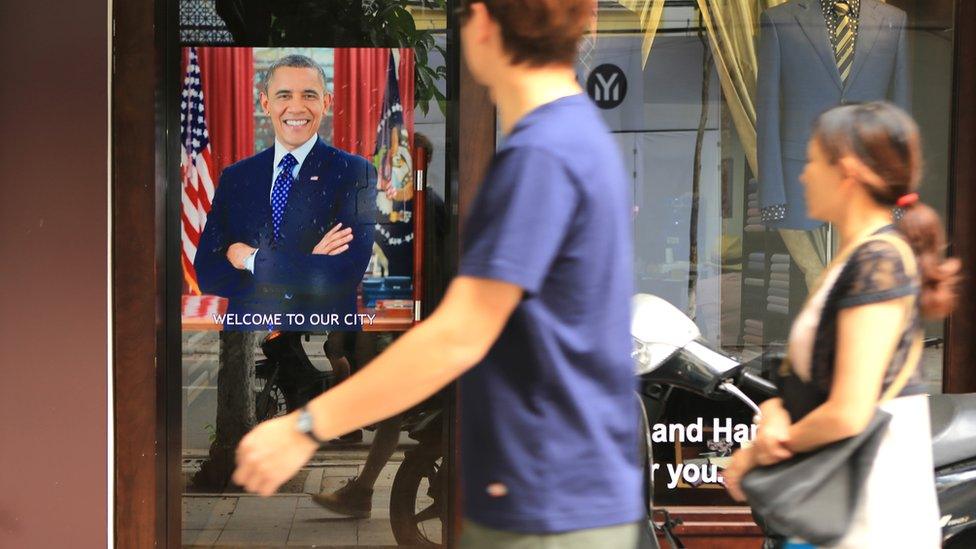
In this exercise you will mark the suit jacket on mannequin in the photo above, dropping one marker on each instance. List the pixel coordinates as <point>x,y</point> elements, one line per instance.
<point>798,80</point>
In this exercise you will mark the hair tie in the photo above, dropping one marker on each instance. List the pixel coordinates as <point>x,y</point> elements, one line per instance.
<point>907,200</point>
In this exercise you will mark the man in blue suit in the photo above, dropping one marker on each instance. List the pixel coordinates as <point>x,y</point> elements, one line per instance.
<point>290,232</point>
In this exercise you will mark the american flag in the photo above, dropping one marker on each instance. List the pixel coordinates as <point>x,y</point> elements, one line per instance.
<point>195,163</point>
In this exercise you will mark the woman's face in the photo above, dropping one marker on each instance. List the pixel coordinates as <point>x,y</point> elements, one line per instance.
<point>822,184</point>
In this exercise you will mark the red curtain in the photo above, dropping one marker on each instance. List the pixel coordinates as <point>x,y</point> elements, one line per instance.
<point>359,85</point>
<point>227,78</point>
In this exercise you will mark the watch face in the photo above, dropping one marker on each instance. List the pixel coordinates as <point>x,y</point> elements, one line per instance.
<point>305,422</point>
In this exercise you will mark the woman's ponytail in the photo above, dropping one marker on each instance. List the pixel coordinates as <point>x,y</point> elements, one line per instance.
<point>922,228</point>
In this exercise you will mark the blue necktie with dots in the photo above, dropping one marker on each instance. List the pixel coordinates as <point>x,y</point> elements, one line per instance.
<point>279,195</point>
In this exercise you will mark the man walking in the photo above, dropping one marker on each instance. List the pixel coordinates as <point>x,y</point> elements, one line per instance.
<point>537,319</point>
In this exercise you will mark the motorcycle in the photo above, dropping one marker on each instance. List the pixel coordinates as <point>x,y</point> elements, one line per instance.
<point>286,380</point>
<point>669,353</point>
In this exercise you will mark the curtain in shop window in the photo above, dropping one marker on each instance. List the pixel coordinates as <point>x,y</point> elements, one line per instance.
<point>732,27</point>
<point>227,79</point>
<point>650,19</point>
<point>358,87</point>
<point>733,32</point>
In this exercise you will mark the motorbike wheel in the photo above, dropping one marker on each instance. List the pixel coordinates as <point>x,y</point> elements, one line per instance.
<point>963,540</point>
<point>269,402</point>
<point>416,504</point>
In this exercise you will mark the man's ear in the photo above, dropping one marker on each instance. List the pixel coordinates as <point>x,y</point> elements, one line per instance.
<point>264,103</point>
<point>327,99</point>
<point>481,21</point>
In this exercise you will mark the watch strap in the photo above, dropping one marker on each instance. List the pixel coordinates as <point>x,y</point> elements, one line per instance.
<point>306,425</point>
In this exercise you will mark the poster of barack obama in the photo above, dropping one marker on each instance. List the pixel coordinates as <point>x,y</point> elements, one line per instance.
<point>290,231</point>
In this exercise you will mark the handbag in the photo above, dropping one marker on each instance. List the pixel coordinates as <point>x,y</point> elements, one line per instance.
<point>813,496</point>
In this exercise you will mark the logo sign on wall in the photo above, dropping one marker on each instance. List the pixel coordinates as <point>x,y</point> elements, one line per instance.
<point>607,86</point>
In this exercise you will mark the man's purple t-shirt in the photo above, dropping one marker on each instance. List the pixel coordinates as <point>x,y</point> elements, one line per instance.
<point>549,417</point>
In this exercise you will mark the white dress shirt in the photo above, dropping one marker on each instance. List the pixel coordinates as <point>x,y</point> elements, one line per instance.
<point>280,151</point>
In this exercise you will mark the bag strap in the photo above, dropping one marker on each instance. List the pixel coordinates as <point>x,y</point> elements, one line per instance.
<point>915,352</point>
<point>911,268</point>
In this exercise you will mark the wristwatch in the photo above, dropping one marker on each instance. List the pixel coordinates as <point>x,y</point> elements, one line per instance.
<point>306,425</point>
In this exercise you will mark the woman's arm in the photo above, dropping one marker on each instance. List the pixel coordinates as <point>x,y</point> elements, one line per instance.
<point>867,336</point>
<point>774,432</point>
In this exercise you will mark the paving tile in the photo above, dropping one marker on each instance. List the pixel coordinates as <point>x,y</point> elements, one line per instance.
<point>319,527</point>
<point>264,537</point>
<point>207,513</point>
<point>376,532</point>
<point>316,511</point>
<point>386,475</point>
<point>341,471</point>
<point>305,502</point>
<point>200,538</point>
<point>313,482</point>
<point>253,513</point>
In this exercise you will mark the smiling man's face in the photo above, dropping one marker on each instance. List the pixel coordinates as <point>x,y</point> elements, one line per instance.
<point>296,101</point>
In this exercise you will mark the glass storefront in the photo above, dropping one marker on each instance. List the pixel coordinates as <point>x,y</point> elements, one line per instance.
<point>711,103</point>
<point>259,340</point>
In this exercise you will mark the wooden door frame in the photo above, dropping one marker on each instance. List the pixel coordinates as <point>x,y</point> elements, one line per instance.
<point>959,374</point>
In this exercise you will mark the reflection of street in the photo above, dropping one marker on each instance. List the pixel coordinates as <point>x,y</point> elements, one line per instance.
<point>290,518</point>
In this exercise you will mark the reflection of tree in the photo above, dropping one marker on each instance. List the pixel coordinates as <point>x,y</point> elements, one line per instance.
<point>340,23</point>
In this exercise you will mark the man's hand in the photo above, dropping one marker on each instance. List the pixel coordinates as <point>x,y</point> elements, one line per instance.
<point>334,242</point>
<point>271,454</point>
<point>238,252</point>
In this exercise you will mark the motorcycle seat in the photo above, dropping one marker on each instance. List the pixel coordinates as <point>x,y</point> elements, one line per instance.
<point>953,420</point>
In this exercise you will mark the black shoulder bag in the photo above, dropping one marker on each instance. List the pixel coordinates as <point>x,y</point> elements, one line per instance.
<point>813,496</point>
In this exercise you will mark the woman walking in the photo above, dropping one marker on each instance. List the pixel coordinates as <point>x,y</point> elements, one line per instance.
<point>859,334</point>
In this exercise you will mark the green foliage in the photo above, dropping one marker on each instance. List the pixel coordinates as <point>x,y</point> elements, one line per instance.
<point>379,23</point>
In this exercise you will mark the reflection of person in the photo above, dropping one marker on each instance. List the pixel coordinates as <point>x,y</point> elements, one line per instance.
<point>290,229</point>
<point>537,320</point>
<point>355,498</point>
<point>857,335</point>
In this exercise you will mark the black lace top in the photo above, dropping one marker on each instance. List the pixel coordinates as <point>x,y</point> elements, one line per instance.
<point>872,274</point>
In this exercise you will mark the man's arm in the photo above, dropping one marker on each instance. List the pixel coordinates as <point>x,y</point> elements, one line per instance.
<point>214,271</point>
<point>428,357</point>
<point>321,274</point>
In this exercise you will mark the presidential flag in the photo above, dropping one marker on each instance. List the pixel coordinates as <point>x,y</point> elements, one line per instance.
<point>394,166</point>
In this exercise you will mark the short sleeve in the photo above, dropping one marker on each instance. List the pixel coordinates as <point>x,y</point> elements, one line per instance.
<point>520,219</point>
<point>874,273</point>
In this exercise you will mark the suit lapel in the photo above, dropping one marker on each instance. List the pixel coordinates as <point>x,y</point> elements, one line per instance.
<point>869,27</point>
<point>810,17</point>
<point>265,180</point>
<point>315,164</point>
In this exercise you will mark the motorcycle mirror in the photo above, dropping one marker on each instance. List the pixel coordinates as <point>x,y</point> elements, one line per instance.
<point>657,321</point>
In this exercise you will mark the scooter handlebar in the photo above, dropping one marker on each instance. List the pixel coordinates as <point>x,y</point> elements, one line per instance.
<point>756,384</point>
